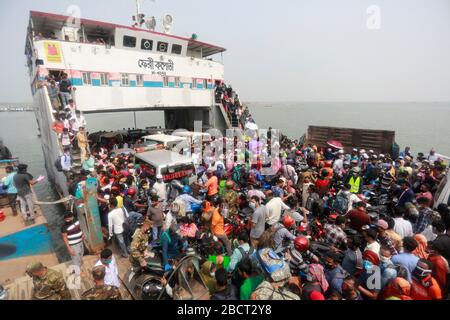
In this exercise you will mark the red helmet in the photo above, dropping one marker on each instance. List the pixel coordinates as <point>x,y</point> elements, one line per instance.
<point>288,221</point>
<point>301,243</point>
<point>299,153</point>
<point>131,191</point>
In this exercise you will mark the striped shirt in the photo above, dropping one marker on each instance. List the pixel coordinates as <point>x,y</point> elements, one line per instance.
<point>74,233</point>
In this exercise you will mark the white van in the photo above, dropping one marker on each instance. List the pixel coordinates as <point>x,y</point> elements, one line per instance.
<point>192,136</point>
<point>162,141</point>
<point>171,165</point>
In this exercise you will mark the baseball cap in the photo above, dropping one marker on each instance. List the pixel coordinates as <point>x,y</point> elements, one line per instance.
<point>98,272</point>
<point>68,214</point>
<point>34,266</point>
<point>382,224</point>
<point>159,176</point>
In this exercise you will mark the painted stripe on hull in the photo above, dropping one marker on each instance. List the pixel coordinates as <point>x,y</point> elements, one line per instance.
<point>28,242</point>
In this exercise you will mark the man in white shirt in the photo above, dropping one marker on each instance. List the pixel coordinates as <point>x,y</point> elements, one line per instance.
<point>160,188</point>
<point>116,218</point>
<point>402,227</point>
<point>109,262</point>
<point>339,162</point>
<point>79,118</point>
<point>66,161</point>
<point>274,207</point>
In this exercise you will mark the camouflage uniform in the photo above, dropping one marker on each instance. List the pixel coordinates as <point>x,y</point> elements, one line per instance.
<point>51,286</point>
<point>265,291</point>
<point>138,246</point>
<point>231,199</point>
<point>102,292</point>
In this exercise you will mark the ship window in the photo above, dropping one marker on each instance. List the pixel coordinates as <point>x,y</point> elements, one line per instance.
<point>162,46</point>
<point>139,80</point>
<point>125,79</point>
<point>165,81</point>
<point>104,79</point>
<point>194,83</point>
<point>146,44</point>
<point>129,41</point>
<point>176,49</point>
<point>177,82</point>
<point>205,84</point>
<point>87,78</point>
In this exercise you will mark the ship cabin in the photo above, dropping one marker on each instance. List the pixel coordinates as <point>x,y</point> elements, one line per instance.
<point>116,68</point>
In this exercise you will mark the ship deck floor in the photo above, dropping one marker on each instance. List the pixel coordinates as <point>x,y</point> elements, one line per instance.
<point>14,268</point>
<point>22,287</point>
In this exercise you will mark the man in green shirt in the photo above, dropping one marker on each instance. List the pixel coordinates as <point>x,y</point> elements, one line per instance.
<point>252,278</point>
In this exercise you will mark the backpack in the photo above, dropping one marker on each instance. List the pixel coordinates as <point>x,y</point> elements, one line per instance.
<point>272,265</point>
<point>236,278</point>
<point>130,223</point>
<point>58,164</point>
<point>340,203</point>
<point>236,174</point>
<point>402,272</point>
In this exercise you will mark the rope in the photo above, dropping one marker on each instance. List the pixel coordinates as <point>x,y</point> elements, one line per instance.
<point>65,199</point>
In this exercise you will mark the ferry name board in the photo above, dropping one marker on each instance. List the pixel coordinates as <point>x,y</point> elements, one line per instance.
<point>149,63</point>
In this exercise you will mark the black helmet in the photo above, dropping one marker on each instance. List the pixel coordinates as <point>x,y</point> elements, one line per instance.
<point>3,293</point>
<point>140,221</point>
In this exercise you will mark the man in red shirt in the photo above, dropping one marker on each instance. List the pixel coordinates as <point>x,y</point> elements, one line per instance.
<point>440,265</point>
<point>425,193</point>
<point>424,286</point>
<point>322,183</point>
<point>358,217</point>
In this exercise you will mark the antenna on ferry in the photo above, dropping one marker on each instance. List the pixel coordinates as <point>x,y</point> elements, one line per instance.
<point>139,17</point>
<point>167,23</point>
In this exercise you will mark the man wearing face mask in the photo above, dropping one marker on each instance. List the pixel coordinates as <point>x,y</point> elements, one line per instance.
<point>387,268</point>
<point>369,287</point>
<point>424,286</point>
<point>139,246</point>
<point>108,261</point>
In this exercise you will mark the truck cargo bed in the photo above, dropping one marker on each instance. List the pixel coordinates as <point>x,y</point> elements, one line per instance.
<point>380,141</point>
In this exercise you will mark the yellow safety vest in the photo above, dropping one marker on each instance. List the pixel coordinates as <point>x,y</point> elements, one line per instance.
<point>354,185</point>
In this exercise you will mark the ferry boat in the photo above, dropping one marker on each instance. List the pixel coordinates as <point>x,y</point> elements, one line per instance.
<point>118,68</point>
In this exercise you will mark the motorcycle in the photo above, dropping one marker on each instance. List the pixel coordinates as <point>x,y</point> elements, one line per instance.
<point>185,279</point>
<point>236,224</point>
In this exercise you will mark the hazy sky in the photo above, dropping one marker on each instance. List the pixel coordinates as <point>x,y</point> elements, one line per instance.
<point>284,50</point>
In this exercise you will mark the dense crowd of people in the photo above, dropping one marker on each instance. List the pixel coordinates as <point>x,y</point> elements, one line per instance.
<point>316,223</point>
<point>325,224</point>
<point>229,99</point>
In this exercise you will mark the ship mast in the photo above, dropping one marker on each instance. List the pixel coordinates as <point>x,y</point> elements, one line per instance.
<point>138,18</point>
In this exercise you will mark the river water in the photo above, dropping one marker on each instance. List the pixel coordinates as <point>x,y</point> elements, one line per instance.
<point>419,125</point>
